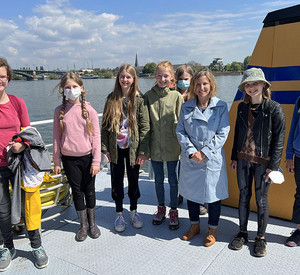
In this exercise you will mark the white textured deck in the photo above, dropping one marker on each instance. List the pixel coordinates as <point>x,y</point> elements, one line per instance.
<point>154,249</point>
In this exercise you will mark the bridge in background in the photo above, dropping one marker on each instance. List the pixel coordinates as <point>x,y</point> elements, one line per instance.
<point>36,74</point>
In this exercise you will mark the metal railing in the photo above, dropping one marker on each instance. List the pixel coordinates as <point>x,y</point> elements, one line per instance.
<point>49,121</point>
<point>66,202</point>
<point>63,203</point>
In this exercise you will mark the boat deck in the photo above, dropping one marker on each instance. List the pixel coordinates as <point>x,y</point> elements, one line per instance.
<point>153,249</point>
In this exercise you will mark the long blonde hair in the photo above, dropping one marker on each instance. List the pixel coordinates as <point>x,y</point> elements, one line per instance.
<point>114,105</point>
<point>211,79</point>
<point>85,113</point>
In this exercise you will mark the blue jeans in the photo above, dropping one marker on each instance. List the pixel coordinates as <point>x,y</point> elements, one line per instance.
<point>214,212</point>
<point>158,168</point>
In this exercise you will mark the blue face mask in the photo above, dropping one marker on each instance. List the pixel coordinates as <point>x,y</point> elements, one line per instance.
<point>183,84</point>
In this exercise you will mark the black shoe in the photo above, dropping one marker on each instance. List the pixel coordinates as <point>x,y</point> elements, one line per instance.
<point>239,240</point>
<point>294,239</point>
<point>260,247</point>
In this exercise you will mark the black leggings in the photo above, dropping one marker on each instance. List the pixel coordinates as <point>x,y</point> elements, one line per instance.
<point>117,181</point>
<point>6,175</point>
<point>77,170</point>
<point>246,171</point>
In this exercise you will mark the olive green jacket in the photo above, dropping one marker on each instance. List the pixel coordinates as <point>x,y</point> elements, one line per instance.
<point>164,109</point>
<point>139,144</point>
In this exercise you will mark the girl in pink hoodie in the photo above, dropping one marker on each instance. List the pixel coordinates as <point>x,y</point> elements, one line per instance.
<point>76,143</point>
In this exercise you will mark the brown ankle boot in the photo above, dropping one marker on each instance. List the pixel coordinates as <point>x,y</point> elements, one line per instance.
<point>94,230</point>
<point>210,238</point>
<point>84,225</point>
<point>190,234</point>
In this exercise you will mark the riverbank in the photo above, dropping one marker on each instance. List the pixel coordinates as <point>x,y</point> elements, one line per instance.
<point>146,76</point>
<point>215,74</point>
<point>227,73</point>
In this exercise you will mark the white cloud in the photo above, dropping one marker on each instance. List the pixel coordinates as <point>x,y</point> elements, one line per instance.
<point>284,3</point>
<point>58,35</point>
<point>7,27</point>
<point>12,50</point>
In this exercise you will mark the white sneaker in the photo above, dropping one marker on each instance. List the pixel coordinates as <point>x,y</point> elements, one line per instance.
<point>136,220</point>
<point>120,223</point>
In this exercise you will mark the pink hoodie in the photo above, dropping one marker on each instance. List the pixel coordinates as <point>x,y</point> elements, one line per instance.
<point>75,140</point>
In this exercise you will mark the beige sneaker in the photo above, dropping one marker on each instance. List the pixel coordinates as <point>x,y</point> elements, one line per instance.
<point>136,219</point>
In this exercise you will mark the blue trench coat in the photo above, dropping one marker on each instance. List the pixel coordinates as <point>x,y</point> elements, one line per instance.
<point>207,132</point>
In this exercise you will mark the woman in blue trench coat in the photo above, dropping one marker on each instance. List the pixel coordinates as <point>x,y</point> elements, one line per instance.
<point>202,130</point>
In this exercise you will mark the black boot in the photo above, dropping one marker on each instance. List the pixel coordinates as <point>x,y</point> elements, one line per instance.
<point>83,229</point>
<point>94,230</point>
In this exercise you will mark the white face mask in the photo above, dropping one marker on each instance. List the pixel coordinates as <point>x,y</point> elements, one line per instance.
<point>72,93</point>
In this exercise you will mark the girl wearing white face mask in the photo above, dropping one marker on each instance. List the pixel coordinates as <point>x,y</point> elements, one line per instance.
<point>184,74</point>
<point>76,142</point>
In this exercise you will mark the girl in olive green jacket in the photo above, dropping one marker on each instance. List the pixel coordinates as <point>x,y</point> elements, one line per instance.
<point>124,135</point>
<point>164,108</point>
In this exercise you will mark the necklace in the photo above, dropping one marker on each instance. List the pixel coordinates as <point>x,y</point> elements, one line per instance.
<point>202,109</point>
<point>202,106</point>
<point>254,107</point>
<point>126,99</point>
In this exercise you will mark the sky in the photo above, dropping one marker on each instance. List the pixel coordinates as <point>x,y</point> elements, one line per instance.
<point>80,34</point>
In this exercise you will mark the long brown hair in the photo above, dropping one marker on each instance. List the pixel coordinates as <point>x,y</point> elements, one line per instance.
<point>85,113</point>
<point>114,104</point>
<point>266,93</point>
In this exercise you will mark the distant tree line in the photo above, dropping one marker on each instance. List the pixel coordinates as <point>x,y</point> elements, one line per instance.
<point>235,66</point>
<point>104,73</point>
<point>238,66</point>
<point>149,69</point>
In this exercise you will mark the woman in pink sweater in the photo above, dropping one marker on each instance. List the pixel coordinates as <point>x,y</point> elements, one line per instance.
<point>76,142</point>
<point>13,117</point>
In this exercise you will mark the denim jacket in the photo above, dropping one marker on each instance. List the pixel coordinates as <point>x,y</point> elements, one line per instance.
<point>293,144</point>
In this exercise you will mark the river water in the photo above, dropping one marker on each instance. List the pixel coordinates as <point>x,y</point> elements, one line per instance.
<point>41,101</point>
